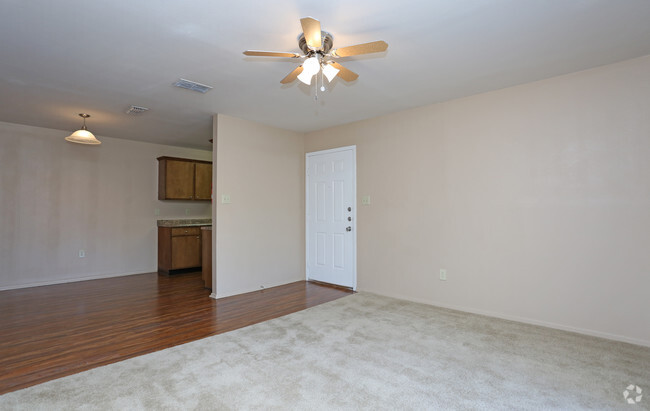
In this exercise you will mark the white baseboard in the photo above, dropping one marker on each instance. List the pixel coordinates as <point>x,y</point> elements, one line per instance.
<point>584,331</point>
<point>247,290</point>
<point>70,280</point>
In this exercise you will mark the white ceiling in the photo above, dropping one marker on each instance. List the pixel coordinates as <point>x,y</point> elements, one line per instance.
<point>60,58</point>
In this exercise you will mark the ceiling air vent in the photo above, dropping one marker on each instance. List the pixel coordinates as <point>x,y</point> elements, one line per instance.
<point>192,85</point>
<point>136,110</point>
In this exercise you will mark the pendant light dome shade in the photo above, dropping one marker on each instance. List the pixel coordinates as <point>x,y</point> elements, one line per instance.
<point>83,136</point>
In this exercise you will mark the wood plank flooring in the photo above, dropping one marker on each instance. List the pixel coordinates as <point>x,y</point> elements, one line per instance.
<point>52,331</point>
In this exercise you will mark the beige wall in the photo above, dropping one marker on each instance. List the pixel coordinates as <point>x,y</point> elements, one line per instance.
<point>57,198</point>
<point>535,198</point>
<point>260,234</point>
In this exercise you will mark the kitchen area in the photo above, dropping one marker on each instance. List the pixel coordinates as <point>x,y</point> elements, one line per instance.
<point>185,245</point>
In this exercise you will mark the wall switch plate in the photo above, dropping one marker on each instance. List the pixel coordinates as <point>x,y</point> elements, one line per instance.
<point>443,274</point>
<point>365,200</point>
<point>225,198</point>
<point>82,253</point>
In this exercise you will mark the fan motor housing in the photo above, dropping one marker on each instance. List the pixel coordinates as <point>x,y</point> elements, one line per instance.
<point>327,41</point>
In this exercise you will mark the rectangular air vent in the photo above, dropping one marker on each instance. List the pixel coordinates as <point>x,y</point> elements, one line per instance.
<point>192,85</point>
<point>136,110</point>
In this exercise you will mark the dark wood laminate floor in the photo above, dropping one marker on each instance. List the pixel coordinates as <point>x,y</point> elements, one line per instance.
<point>52,331</point>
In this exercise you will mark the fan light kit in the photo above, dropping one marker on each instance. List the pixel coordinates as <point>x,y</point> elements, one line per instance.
<point>318,55</point>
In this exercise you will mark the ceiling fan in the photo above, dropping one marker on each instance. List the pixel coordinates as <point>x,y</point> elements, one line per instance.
<point>318,55</point>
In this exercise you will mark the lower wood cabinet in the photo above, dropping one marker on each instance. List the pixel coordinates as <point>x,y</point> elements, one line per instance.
<point>206,244</point>
<point>178,248</point>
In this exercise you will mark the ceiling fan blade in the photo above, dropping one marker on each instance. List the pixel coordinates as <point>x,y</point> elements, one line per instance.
<point>345,74</point>
<point>365,48</point>
<point>292,76</point>
<point>311,28</point>
<point>270,53</point>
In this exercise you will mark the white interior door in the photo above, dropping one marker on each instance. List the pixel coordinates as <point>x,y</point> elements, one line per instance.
<point>331,216</point>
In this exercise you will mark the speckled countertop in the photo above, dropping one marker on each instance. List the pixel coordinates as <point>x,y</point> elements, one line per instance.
<point>188,222</point>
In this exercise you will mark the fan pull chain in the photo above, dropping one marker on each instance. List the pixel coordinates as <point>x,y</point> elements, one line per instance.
<point>322,82</point>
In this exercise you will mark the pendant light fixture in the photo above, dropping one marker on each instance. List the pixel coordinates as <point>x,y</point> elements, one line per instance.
<point>83,136</point>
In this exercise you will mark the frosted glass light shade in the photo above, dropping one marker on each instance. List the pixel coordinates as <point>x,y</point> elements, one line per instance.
<point>82,137</point>
<point>305,78</point>
<point>330,72</point>
<point>310,67</point>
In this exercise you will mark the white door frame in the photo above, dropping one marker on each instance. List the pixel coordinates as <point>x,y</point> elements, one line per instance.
<point>354,209</point>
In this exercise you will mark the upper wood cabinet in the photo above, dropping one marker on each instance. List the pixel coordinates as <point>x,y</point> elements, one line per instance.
<point>184,179</point>
<point>202,181</point>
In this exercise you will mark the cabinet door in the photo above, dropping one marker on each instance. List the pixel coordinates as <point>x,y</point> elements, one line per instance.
<point>203,181</point>
<point>186,251</point>
<point>179,180</point>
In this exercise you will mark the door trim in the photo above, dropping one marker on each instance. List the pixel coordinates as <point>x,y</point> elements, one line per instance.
<point>354,208</point>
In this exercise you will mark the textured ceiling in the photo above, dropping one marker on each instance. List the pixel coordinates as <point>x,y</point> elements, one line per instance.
<point>60,58</point>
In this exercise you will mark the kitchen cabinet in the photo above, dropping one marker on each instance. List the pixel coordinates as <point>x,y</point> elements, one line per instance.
<point>202,181</point>
<point>184,179</point>
<point>178,248</point>
<point>206,256</point>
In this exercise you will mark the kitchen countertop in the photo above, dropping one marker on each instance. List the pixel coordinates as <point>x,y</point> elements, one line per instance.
<point>185,222</point>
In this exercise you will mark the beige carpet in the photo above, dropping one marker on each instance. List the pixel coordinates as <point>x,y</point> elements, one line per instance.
<point>363,352</point>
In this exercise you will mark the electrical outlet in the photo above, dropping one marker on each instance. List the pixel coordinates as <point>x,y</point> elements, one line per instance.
<point>225,198</point>
<point>82,253</point>
<point>365,200</point>
<point>187,211</point>
<point>156,211</point>
<point>443,274</point>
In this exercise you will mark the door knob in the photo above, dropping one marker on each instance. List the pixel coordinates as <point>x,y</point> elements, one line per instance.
<point>348,228</point>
